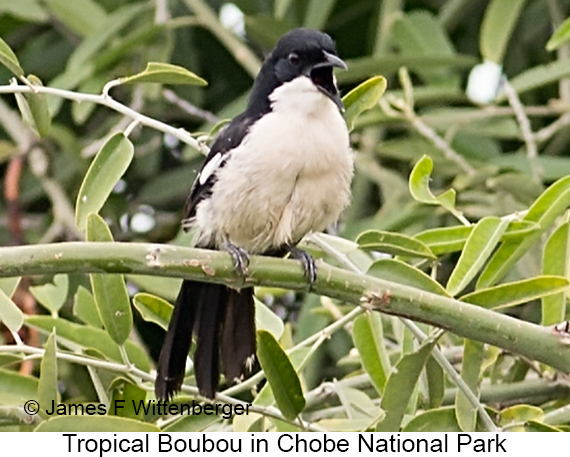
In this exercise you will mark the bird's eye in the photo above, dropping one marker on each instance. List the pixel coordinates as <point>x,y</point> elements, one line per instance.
<point>294,59</point>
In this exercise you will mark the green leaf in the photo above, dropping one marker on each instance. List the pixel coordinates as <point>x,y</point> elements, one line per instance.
<point>345,425</point>
<point>34,108</point>
<point>419,186</point>
<point>82,111</point>
<point>265,319</point>
<point>132,396</point>
<point>435,383</point>
<point>362,414</point>
<point>39,109</point>
<point>419,33</point>
<point>473,356</point>
<point>52,296</point>
<point>369,341</point>
<point>560,36</point>
<point>515,293</point>
<point>79,336</point>
<point>107,167</point>
<point>97,229</point>
<point>265,30</point>
<point>160,286</point>
<point>164,73</point>
<point>193,423</point>
<point>357,404</point>
<point>497,27</point>
<point>553,168</point>
<point>153,309</point>
<point>84,308</point>
<point>550,205</point>
<point>24,107</point>
<point>280,375</point>
<point>516,183</point>
<point>478,248</point>
<point>534,426</point>
<point>68,80</point>
<point>402,273</point>
<point>555,262</point>
<point>518,415</point>
<point>400,386</point>
<point>519,229</point>
<point>538,76</point>
<point>107,31</point>
<point>81,16</point>
<point>15,388</point>
<point>47,386</point>
<point>9,59</point>
<point>108,424</point>
<point>393,243</point>
<point>444,240</point>
<point>28,10</point>
<point>362,98</point>
<point>365,67</point>
<point>109,291</point>
<point>435,420</point>
<point>10,315</point>
<point>9,285</point>
<point>281,7</point>
<point>317,13</point>
<point>148,34</point>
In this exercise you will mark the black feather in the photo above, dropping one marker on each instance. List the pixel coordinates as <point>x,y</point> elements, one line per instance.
<point>211,310</point>
<point>238,334</point>
<point>172,360</point>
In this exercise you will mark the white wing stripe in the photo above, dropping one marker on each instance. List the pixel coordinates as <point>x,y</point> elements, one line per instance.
<point>210,168</point>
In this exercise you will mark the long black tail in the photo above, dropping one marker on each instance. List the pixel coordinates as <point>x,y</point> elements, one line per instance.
<point>223,320</point>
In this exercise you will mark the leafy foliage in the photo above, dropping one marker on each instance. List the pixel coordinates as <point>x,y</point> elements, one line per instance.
<point>459,215</point>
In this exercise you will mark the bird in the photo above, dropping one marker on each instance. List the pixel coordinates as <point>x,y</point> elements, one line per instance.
<point>278,171</point>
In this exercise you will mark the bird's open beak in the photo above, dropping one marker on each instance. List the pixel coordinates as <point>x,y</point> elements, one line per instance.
<point>332,61</point>
<point>322,76</point>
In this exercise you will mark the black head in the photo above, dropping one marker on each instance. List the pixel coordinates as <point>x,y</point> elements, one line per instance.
<point>300,52</point>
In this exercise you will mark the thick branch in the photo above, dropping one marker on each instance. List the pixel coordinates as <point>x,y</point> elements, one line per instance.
<point>469,321</point>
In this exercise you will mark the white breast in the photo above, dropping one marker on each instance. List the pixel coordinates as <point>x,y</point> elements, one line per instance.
<point>291,176</point>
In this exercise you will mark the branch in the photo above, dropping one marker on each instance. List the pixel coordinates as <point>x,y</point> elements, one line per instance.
<point>526,130</point>
<point>463,319</point>
<point>207,17</point>
<point>128,369</point>
<point>106,100</point>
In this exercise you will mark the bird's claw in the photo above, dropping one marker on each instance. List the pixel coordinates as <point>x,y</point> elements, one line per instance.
<point>308,263</point>
<point>240,257</point>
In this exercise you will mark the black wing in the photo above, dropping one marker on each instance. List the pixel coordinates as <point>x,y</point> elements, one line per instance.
<point>228,139</point>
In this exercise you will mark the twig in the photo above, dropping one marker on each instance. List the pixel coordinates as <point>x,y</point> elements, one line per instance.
<point>427,132</point>
<point>109,102</point>
<point>319,336</point>
<point>547,132</point>
<point>453,376</point>
<point>237,48</point>
<point>12,196</point>
<point>136,104</point>
<point>161,14</point>
<point>526,130</point>
<point>405,108</point>
<point>186,106</point>
<point>128,369</point>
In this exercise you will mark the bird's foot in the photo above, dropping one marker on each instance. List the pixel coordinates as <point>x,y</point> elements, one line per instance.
<point>240,257</point>
<point>308,263</point>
